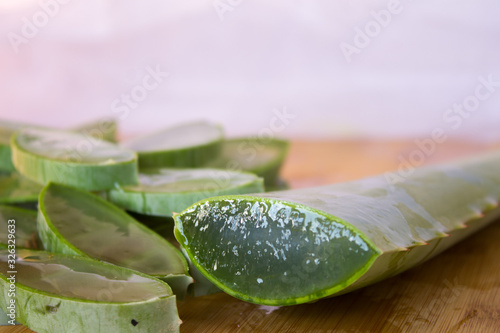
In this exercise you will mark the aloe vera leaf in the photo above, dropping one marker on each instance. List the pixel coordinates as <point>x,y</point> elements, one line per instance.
<point>264,157</point>
<point>26,235</point>
<point>61,293</point>
<point>73,221</point>
<point>162,192</point>
<point>70,158</point>
<point>17,189</point>
<point>184,146</point>
<point>103,129</point>
<point>296,246</point>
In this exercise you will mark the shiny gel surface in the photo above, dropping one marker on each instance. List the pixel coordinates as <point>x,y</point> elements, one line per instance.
<point>81,278</point>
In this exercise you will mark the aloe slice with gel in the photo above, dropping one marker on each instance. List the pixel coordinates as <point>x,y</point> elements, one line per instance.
<point>72,159</point>
<point>184,146</point>
<point>264,157</point>
<point>62,293</point>
<point>296,246</point>
<point>73,221</point>
<point>162,192</point>
<point>103,129</point>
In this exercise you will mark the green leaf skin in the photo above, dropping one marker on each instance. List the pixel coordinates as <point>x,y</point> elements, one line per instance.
<point>162,192</point>
<point>16,189</point>
<point>263,157</point>
<point>26,235</point>
<point>72,159</point>
<point>60,293</point>
<point>296,246</point>
<point>73,221</point>
<point>185,146</point>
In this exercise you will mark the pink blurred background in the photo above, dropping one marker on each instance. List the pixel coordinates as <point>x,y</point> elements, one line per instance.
<point>344,69</point>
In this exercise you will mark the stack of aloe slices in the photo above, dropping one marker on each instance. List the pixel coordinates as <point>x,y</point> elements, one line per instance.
<point>57,169</point>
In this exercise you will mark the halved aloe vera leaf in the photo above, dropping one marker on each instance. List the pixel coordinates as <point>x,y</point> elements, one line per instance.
<point>23,227</point>
<point>188,145</point>
<point>73,221</point>
<point>17,189</point>
<point>263,157</point>
<point>164,191</point>
<point>61,293</point>
<point>103,129</point>
<point>290,247</point>
<point>72,159</point>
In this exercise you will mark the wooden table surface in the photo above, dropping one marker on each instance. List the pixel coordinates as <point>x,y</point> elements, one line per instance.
<point>458,291</point>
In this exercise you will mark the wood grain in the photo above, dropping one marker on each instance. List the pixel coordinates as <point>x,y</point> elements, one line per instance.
<point>458,291</point>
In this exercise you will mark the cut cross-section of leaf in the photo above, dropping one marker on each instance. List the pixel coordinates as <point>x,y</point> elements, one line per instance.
<point>162,192</point>
<point>73,221</point>
<point>62,293</point>
<point>188,145</point>
<point>72,159</point>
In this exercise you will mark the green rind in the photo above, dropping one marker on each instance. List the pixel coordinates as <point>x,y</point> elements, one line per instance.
<point>46,312</point>
<point>149,202</point>
<point>91,177</point>
<point>242,154</point>
<point>26,235</point>
<point>187,157</point>
<point>54,241</point>
<point>407,222</point>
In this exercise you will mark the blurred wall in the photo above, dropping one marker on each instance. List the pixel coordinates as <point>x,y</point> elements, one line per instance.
<point>327,69</point>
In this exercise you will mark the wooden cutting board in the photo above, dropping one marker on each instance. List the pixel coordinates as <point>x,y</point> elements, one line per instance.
<point>458,291</point>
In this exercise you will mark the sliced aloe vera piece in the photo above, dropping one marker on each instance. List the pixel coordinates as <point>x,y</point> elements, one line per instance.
<point>164,191</point>
<point>103,129</point>
<point>23,228</point>
<point>259,156</point>
<point>73,221</point>
<point>70,158</point>
<point>17,189</point>
<point>61,293</point>
<point>290,247</point>
<point>188,145</point>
